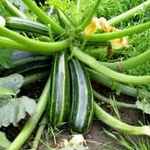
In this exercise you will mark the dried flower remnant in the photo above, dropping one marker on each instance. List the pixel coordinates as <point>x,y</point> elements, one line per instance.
<point>77,142</point>
<point>102,24</point>
<point>119,43</point>
<point>91,28</point>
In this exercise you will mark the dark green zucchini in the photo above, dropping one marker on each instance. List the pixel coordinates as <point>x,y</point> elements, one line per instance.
<point>82,98</point>
<point>26,25</point>
<point>60,91</point>
<point>27,64</point>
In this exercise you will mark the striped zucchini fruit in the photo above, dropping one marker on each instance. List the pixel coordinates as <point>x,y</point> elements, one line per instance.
<point>60,91</point>
<point>82,98</point>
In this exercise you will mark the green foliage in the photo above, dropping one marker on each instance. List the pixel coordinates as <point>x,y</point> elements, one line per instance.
<point>143,69</point>
<point>139,43</point>
<point>61,4</point>
<point>131,143</point>
<point>109,8</point>
<point>68,7</point>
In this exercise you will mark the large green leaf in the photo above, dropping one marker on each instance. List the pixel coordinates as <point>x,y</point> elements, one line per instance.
<point>6,91</point>
<point>12,110</point>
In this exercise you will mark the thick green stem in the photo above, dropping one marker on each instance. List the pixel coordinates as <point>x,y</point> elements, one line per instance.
<point>33,121</point>
<point>12,9</point>
<point>10,44</point>
<point>29,60</point>
<point>119,125</point>
<point>108,82</point>
<point>101,52</point>
<point>97,52</point>
<point>102,37</point>
<point>35,77</point>
<point>89,16</point>
<point>124,78</point>
<point>65,19</point>
<point>26,25</point>
<point>129,63</point>
<point>6,43</point>
<point>78,3</point>
<point>39,134</point>
<point>43,16</point>
<point>130,13</point>
<point>110,101</point>
<point>34,45</point>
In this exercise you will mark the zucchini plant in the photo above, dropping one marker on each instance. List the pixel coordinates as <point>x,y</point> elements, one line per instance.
<point>68,95</point>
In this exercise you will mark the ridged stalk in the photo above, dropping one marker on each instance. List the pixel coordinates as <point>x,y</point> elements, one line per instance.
<point>33,121</point>
<point>12,9</point>
<point>89,16</point>
<point>43,16</point>
<point>124,78</point>
<point>130,13</point>
<point>130,62</point>
<point>65,19</point>
<point>119,125</point>
<point>34,45</point>
<point>10,44</point>
<point>102,37</point>
<point>35,77</point>
<point>39,133</point>
<point>108,82</point>
<point>100,97</point>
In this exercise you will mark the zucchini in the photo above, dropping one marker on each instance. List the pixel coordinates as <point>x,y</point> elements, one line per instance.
<point>82,98</point>
<point>26,63</point>
<point>31,66</point>
<point>19,55</point>
<point>26,25</point>
<point>60,91</point>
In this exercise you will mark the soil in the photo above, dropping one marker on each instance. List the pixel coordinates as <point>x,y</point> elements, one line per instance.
<point>96,139</point>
